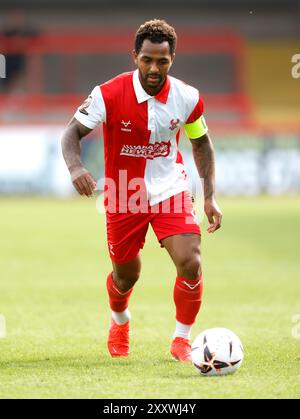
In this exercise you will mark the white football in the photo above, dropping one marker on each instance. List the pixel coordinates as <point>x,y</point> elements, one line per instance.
<point>217,351</point>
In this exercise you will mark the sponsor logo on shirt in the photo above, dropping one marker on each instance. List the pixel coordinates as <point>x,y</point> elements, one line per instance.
<point>150,151</point>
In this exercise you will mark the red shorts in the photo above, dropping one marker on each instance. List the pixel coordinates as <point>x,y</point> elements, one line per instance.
<point>126,232</point>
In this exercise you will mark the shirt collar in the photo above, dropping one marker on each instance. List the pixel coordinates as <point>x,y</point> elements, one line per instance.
<point>142,95</point>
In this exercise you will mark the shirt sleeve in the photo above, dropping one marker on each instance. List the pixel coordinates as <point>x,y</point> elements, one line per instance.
<point>196,112</point>
<point>195,126</point>
<point>92,111</point>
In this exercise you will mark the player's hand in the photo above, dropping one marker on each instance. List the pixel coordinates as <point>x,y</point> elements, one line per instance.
<point>83,181</point>
<point>214,215</point>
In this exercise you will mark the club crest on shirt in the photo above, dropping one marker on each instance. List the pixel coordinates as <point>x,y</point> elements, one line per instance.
<point>86,103</point>
<point>174,124</point>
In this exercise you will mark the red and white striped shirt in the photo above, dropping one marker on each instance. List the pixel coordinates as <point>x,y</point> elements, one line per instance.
<point>141,132</point>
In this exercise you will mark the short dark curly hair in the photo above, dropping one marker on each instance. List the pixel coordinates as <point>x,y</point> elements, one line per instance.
<point>157,31</point>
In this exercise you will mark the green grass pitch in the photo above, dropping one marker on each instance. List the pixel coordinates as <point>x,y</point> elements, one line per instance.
<point>53,266</point>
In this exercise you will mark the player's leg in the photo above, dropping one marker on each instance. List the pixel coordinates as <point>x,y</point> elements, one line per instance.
<point>125,275</point>
<point>126,236</point>
<point>120,284</point>
<point>184,250</point>
<point>177,229</point>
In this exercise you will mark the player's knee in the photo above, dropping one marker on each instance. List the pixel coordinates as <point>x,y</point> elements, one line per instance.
<point>125,282</point>
<point>189,267</point>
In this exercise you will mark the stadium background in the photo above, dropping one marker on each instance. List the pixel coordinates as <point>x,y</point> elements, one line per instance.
<point>239,55</point>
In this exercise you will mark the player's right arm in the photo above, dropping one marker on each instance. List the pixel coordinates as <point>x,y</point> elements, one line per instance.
<point>81,178</point>
<point>87,117</point>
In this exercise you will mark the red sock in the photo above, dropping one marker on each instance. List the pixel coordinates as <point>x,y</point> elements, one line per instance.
<point>118,300</point>
<point>187,298</point>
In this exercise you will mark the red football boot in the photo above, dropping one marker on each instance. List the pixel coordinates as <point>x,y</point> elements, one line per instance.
<point>118,339</point>
<point>181,349</point>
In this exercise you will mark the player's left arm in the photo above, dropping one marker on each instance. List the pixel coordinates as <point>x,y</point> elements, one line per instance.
<point>204,157</point>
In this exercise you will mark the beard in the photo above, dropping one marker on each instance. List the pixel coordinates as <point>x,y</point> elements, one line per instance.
<point>152,86</point>
<point>154,80</point>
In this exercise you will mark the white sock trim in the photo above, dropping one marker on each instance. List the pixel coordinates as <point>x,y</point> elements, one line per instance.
<point>183,330</point>
<point>121,317</point>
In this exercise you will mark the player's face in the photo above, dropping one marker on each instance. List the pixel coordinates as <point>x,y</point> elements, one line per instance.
<point>154,62</point>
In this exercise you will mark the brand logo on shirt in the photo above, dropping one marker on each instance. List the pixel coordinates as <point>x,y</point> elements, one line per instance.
<point>150,151</point>
<point>174,124</point>
<point>125,126</point>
